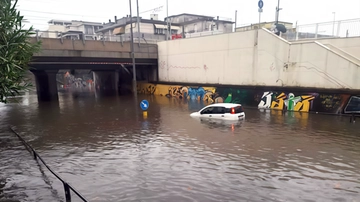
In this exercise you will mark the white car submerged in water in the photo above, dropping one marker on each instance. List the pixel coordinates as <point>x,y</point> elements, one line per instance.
<point>223,111</point>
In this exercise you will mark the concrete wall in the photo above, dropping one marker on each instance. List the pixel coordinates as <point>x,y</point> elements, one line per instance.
<point>76,48</point>
<point>350,45</point>
<point>281,99</point>
<point>255,58</point>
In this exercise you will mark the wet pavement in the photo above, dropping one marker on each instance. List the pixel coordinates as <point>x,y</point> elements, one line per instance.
<point>109,152</point>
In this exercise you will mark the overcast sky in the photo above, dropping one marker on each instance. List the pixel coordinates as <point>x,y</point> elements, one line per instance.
<point>38,12</point>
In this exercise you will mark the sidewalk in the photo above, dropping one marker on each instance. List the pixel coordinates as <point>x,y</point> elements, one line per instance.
<point>20,177</point>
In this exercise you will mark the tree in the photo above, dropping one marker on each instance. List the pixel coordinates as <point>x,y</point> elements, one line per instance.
<point>16,50</point>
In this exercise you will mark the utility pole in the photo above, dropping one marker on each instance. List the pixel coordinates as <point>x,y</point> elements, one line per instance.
<point>138,22</point>
<point>167,20</point>
<point>132,51</point>
<point>277,12</point>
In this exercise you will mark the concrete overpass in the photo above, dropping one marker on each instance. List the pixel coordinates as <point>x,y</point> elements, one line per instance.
<point>110,61</point>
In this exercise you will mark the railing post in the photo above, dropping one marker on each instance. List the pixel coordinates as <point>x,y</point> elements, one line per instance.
<point>83,38</point>
<point>316,30</point>
<point>67,192</point>
<point>61,38</point>
<point>338,29</point>
<point>297,33</point>
<point>37,35</point>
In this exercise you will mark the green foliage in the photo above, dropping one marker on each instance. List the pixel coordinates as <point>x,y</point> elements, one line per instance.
<point>16,50</point>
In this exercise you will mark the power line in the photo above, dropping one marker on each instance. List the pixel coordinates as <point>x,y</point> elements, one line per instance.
<point>52,13</point>
<point>157,9</point>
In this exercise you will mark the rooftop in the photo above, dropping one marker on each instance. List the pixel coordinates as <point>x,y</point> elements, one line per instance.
<point>134,21</point>
<point>73,22</point>
<point>201,16</point>
<point>271,22</point>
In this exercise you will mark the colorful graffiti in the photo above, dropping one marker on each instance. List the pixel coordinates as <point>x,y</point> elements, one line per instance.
<point>146,88</point>
<point>289,101</point>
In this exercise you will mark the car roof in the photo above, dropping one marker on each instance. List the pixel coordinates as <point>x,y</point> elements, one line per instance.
<point>226,105</point>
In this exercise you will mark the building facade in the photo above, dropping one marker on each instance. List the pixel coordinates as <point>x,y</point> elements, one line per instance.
<point>73,29</point>
<point>200,25</point>
<point>149,30</point>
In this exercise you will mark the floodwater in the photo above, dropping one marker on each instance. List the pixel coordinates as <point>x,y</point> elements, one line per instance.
<point>108,151</point>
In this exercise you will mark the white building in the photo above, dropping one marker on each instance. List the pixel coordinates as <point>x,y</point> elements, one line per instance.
<point>200,25</point>
<point>72,29</point>
<point>150,30</point>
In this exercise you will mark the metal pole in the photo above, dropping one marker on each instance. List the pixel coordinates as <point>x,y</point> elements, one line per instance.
<point>259,19</point>
<point>277,12</point>
<point>132,50</point>
<point>235,20</point>
<point>138,22</point>
<point>333,29</point>
<point>167,20</point>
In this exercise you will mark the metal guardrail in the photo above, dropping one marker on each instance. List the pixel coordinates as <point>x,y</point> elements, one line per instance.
<point>334,29</point>
<point>144,37</point>
<point>67,186</point>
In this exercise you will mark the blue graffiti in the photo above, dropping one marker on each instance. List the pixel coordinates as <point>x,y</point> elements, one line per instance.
<point>194,93</point>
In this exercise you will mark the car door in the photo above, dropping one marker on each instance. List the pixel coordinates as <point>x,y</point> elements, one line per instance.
<point>219,112</point>
<point>207,113</point>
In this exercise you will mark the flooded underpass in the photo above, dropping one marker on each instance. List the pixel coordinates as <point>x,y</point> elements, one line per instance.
<point>108,151</point>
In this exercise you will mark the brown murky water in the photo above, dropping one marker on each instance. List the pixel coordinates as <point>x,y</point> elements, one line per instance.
<point>109,152</point>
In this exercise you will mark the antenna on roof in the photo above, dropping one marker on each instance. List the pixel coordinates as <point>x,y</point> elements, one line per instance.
<point>154,10</point>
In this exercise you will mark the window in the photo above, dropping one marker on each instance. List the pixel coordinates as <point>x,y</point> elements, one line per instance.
<point>219,110</point>
<point>89,29</point>
<point>159,31</point>
<point>238,109</point>
<point>213,110</point>
<point>208,110</point>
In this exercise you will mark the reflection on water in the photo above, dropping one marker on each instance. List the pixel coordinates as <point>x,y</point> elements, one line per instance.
<point>110,152</point>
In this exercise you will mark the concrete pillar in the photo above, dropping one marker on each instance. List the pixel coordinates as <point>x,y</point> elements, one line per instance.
<point>46,85</point>
<point>106,82</point>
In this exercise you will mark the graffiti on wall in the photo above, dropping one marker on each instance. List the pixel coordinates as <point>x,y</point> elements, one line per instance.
<point>191,93</point>
<point>288,101</point>
<point>146,88</point>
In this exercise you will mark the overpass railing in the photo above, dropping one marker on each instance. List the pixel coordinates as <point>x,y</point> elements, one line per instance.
<point>67,186</point>
<point>334,29</point>
<point>142,37</point>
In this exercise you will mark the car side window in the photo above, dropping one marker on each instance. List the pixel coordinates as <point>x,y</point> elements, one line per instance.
<point>208,110</point>
<point>219,110</point>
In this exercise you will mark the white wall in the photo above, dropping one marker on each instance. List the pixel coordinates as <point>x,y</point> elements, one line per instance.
<point>144,28</point>
<point>235,59</point>
<point>350,45</point>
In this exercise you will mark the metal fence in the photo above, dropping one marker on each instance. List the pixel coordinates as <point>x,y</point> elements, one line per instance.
<point>67,187</point>
<point>335,29</point>
<point>144,37</point>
